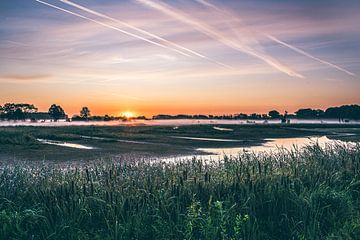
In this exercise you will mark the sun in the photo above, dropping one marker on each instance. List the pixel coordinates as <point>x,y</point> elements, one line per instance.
<point>128,114</point>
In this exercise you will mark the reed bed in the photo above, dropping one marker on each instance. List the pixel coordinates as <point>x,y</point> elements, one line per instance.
<point>310,193</point>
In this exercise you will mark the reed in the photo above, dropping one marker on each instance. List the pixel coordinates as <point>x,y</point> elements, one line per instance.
<point>312,193</point>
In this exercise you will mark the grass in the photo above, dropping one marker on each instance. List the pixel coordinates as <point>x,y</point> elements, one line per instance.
<point>308,194</point>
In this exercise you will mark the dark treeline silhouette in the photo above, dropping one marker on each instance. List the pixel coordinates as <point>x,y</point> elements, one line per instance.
<point>23,111</point>
<point>95,118</point>
<point>219,117</point>
<point>342,113</point>
<point>85,115</point>
<point>17,111</point>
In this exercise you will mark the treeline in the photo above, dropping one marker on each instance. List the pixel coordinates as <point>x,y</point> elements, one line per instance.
<point>342,113</point>
<point>23,111</point>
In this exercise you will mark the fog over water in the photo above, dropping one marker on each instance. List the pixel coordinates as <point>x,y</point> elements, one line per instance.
<point>171,122</point>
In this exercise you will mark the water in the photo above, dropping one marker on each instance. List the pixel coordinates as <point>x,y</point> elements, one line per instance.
<point>208,139</point>
<point>272,145</point>
<point>117,140</point>
<point>223,129</point>
<point>65,144</point>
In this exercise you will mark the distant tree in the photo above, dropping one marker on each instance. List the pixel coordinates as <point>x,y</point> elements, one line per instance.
<point>345,111</point>
<point>85,113</point>
<point>309,113</point>
<point>255,116</point>
<point>242,116</point>
<point>284,117</point>
<point>17,111</point>
<point>19,114</point>
<point>27,108</point>
<point>274,114</point>
<point>264,116</point>
<point>56,112</point>
<point>141,118</point>
<point>76,118</point>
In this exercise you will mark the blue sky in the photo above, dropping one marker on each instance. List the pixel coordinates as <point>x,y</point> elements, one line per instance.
<point>186,56</point>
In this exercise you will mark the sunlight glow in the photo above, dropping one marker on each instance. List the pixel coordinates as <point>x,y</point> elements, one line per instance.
<point>127,114</point>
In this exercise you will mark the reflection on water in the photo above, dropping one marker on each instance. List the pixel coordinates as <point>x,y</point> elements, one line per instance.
<point>270,146</point>
<point>223,129</point>
<point>64,144</point>
<point>208,139</point>
<point>113,139</point>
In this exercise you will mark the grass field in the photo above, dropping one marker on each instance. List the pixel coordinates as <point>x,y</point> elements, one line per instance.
<point>310,194</point>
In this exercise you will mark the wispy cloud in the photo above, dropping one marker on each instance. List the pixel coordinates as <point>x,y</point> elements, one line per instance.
<point>25,77</point>
<point>213,33</point>
<point>269,36</point>
<point>112,27</point>
<point>175,45</point>
<point>298,50</point>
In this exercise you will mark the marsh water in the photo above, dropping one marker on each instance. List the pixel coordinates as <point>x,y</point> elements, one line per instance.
<point>64,144</point>
<point>271,145</point>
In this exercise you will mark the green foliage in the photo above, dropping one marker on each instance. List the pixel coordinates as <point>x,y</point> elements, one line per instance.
<point>309,194</point>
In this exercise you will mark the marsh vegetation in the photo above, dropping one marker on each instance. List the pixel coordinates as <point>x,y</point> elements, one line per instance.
<point>308,194</point>
<point>58,192</point>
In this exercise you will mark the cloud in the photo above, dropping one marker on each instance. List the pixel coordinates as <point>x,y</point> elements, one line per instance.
<point>173,46</point>
<point>219,36</point>
<point>272,38</point>
<point>25,77</point>
<point>112,27</point>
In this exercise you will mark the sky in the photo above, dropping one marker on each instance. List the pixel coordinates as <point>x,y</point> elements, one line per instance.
<point>180,57</point>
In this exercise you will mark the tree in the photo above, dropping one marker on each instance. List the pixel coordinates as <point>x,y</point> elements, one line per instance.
<point>85,113</point>
<point>309,113</point>
<point>345,111</point>
<point>17,110</point>
<point>274,114</point>
<point>56,112</point>
<point>19,114</point>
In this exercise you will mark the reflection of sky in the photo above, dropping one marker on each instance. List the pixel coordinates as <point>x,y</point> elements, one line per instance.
<point>51,56</point>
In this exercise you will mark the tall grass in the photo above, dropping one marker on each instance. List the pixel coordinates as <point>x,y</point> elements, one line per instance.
<point>312,193</point>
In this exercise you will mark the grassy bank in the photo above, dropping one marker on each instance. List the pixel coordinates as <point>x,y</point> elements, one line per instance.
<point>310,194</point>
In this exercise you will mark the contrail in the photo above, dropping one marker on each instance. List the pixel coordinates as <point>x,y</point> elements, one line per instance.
<point>141,31</point>
<point>207,30</point>
<point>112,27</point>
<point>128,33</point>
<point>207,4</point>
<point>225,12</point>
<point>309,55</point>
